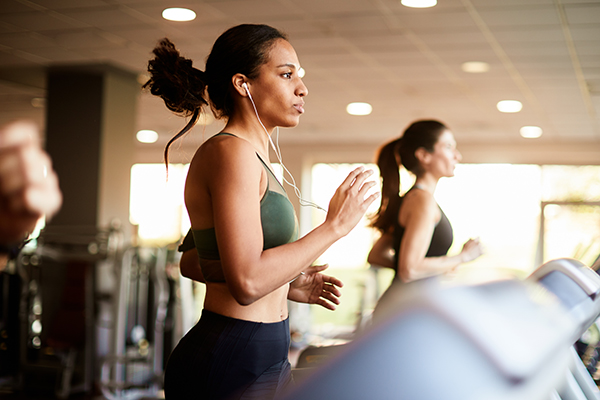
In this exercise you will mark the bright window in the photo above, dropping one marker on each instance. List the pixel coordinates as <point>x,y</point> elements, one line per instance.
<point>156,204</point>
<point>352,250</point>
<point>572,230</point>
<point>571,204</point>
<point>571,183</point>
<point>499,203</point>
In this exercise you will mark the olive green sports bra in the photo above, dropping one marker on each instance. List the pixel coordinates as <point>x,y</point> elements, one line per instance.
<point>278,220</point>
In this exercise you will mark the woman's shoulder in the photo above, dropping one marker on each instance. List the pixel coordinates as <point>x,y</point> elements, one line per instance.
<point>224,148</point>
<point>418,198</point>
<point>225,142</point>
<point>420,202</point>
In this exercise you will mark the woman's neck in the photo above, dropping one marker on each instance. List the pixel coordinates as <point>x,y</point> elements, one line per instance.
<point>251,132</point>
<point>426,183</point>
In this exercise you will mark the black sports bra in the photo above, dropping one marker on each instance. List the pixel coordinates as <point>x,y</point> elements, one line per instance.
<point>441,240</point>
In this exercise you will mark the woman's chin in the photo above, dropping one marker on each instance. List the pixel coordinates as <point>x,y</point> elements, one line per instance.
<point>290,123</point>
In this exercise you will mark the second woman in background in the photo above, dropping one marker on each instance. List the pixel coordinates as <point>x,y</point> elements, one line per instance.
<point>415,233</point>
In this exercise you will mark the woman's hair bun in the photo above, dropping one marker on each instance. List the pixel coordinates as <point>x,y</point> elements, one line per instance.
<point>174,79</point>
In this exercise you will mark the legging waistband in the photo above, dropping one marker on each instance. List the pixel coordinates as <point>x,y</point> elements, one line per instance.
<point>267,329</point>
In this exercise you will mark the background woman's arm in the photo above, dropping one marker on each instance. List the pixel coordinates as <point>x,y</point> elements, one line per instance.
<point>422,215</point>
<point>382,252</point>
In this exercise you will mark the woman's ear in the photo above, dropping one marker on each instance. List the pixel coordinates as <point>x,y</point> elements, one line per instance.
<point>422,155</point>
<point>238,81</point>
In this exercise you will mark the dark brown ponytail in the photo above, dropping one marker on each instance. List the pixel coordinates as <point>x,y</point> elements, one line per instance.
<point>388,162</point>
<point>419,134</point>
<point>178,83</point>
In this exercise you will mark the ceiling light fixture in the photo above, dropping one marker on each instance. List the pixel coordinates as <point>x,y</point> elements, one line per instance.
<point>38,102</point>
<point>418,3</point>
<point>178,14</point>
<point>146,136</point>
<point>531,132</point>
<point>475,67</point>
<point>509,106</point>
<point>359,108</point>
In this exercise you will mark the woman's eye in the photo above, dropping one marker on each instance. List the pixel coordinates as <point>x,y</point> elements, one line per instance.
<point>287,75</point>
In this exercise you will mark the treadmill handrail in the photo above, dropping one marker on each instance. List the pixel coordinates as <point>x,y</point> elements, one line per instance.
<point>586,278</point>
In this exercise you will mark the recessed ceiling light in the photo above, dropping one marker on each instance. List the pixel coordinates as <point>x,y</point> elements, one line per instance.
<point>38,102</point>
<point>531,132</point>
<point>509,106</point>
<point>418,3</point>
<point>301,72</point>
<point>178,14</point>
<point>359,108</point>
<point>475,67</point>
<point>146,136</point>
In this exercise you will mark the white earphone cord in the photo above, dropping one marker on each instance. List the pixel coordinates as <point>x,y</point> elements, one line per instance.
<point>277,151</point>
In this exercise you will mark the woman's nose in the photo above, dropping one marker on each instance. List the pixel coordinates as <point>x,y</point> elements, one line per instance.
<point>302,90</point>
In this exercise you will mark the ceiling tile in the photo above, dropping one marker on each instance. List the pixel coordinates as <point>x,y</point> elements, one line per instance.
<point>38,21</point>
<point>583,13</point>
<point>406,62</point>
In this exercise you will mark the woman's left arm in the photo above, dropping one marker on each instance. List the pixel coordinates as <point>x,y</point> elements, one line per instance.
<point>382,252</point>
<point>189,263</point>
<point>189,266</point>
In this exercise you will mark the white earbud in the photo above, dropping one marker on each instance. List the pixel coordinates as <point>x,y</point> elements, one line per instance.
<point>245,85</point>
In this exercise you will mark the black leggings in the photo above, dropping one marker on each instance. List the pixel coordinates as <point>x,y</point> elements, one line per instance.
<point>228,358</point>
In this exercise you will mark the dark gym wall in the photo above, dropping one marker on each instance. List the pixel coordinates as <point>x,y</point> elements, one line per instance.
<point>90,136</point>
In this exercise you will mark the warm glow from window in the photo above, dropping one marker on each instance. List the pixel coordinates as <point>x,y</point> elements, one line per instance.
<point>156,205</point>
<point>494,198</point>
<point>325,180</point>
<point>500,204</point>
<point>572,231</point>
